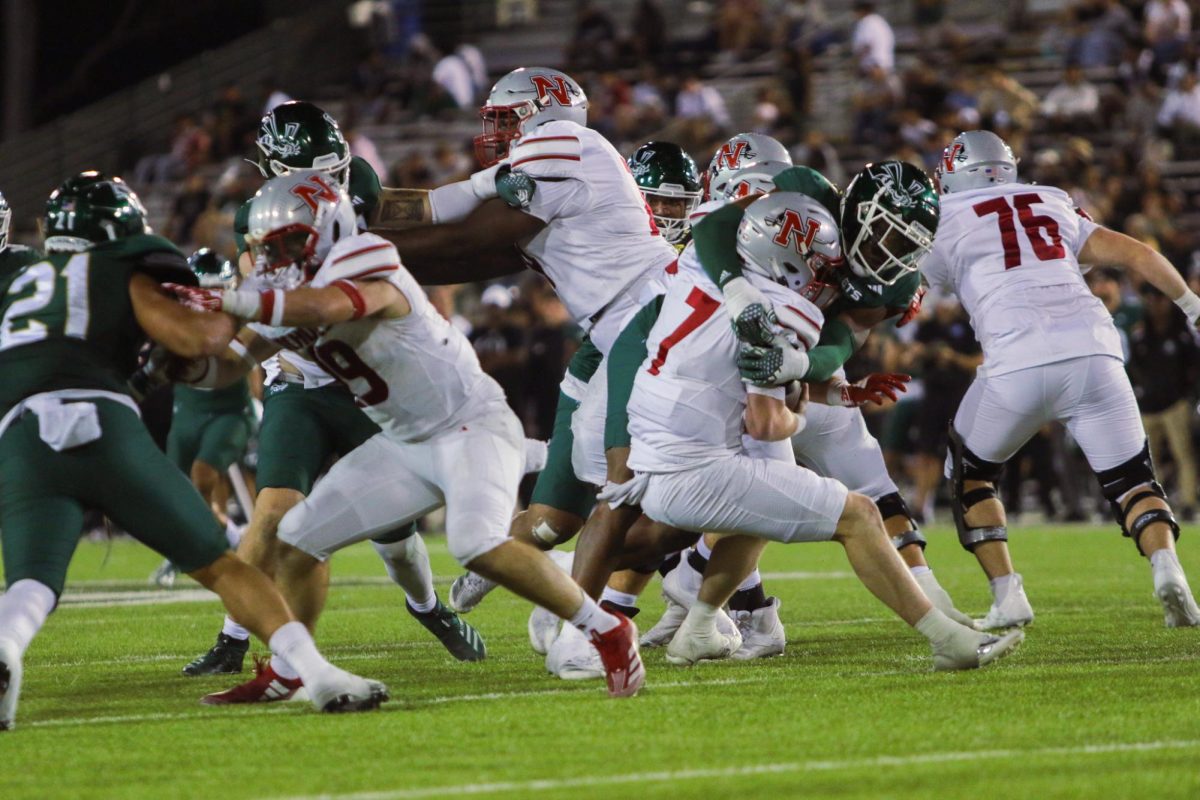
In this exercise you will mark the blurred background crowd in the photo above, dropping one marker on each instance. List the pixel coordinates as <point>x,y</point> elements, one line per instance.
<point>1099,97</point>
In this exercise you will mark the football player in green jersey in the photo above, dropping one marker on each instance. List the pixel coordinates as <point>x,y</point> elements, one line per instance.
<point>670,182</point>
<point>12,256</point>
<point>310,418</point>
<point>210,428</point>
<point>71,326</point>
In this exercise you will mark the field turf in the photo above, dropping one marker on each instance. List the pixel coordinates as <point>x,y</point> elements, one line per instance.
<point>1101,701</point>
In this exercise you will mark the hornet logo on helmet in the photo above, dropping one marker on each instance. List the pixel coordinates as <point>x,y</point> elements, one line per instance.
<point>641,163</point>
<point>285,144</point>
<point>890,180</point>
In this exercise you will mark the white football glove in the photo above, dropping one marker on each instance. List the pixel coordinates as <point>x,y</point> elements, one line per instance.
<point>771,366</point>
<point>751,312</point>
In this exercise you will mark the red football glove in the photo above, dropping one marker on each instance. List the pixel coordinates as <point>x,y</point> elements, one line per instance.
<point>195,298</point>
<point>875,388</point>
<point>914,308</point>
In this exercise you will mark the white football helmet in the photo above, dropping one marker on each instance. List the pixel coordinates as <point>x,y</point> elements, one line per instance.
<point>522,100</point>
<point>740,151</point>
<point>973,160</point>
<point>294,222</point>
<point>5,221</point>
<point>788,237</point>
<point>757,178</point>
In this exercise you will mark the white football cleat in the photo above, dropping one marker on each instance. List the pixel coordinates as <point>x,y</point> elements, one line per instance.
<point>941,599</point>
<point>762,632</point>
<point>1011,611</point>
<point>164,575</point>
<point>695,642</point>
<point>543,630</point>
<point>467,591</point>
<point>974,651</point>
<point>660,635</point>
<point>1172,590</point>
<point>339,692</point>
<point>572,657</point>
<point>682,584</point>
<point>10,683</point>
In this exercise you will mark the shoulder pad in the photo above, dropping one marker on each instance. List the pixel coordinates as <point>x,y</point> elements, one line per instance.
<point>553,150</point>
<point>364,256</point>
<point>153,255</point>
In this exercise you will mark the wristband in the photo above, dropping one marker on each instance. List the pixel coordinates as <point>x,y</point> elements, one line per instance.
<point>801,421</point>
<point>356,299</point>
<point>243,353</point>
<point>836,395</point>
<point>243,304</point>
<point>483,183</point>
<point>1189,304</point>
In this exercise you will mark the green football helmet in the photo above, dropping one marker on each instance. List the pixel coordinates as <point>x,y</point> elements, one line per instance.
<point>5,221</point>
<point>298,135</point>
<point>212,270</point>
<point>889,217</point>
<point>91,208</point>
<point>670,182</point>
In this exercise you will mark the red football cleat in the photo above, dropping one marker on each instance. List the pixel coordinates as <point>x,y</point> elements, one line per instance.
<point>265,687</point>
<point>619,653</point>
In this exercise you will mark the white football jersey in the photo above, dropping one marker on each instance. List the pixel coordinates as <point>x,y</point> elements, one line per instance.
<point>688,399</point>
<point>414,376</point>
<point>1010,253</point>
<point>600,244</point>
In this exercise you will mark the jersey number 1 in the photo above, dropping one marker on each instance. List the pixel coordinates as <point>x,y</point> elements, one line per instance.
<point>1034,225</point>
<point>703,307</point>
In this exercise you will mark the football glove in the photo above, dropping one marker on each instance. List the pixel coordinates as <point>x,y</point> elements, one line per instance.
<point>196,298</point>
<point>751,312</point>
<point>875,388</point>
<point>515,188</point>
<point>914,308</point>
<point>771,366</point>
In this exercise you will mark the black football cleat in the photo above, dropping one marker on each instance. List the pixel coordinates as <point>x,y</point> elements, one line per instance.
<point>223,658</point>
<point>459,638</point>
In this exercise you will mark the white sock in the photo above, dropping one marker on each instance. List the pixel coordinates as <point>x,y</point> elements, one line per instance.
<point>703,549</point>
<point>937,627</point>
<point>233,534</point>
<point>922,570</point>
<point>592,619</point>
<point>1164,558</point>
<point>407,563</point>
<point>618,598</point>
<point>23,611</point>
<point>234,631</point>
<point>296,654</point>
<point>752,580</point>
<point>1000,586</point>
<point>702,615</point>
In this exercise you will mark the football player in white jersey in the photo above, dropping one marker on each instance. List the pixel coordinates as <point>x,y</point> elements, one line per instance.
<point>555,196</point>
<point>688,411</point>
<point>447,435</point>
<point>1011,252</point>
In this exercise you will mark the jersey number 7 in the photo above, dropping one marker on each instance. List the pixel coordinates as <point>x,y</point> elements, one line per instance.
<point>1034,225</point>
<point>703,307</point>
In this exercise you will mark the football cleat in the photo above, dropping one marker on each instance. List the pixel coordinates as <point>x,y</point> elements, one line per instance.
<point>460,639</point>
<point>941,599</point>
<point>572,657</point>
<point>618,649</point>
<point>265,687</point>
<point>1011,611</point>
<point>543,630</point>
<point>660,635</point>
<point>341,692</point>
<point>223,658</point>
<point>10,683</point>
<point>164,576</point>
<point>1172,590</point>
<point>682,584</point>
<point>693,643</point>
<point>969,653</point>
<point>762,632</point>
<point>467,591</point>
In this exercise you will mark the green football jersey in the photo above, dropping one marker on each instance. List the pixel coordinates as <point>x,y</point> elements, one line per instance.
<point>856,292</point>
<point>66,321</point>
<point>364,191</point>
<point>232,399</point>
<point>12,259</point>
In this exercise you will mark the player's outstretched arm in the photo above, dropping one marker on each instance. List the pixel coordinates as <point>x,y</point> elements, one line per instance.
<point>1106,246</point>
<point>768,418</point>
<point>183,331</point>
<point>341,301</point>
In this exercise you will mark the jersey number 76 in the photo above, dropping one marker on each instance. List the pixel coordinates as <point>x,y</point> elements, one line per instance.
<point>1034,225</point>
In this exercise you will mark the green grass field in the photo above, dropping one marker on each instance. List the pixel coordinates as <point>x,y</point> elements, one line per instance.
<point>1101,701</point>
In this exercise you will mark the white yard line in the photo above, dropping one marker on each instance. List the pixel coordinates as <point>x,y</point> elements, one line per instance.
<point>750,770</point>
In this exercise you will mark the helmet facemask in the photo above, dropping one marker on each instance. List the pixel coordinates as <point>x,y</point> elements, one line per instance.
<point>501,126</point>
<point>286,257</point>
<point>886,247</point>
<point>5,222</point>
<point>671,207</point>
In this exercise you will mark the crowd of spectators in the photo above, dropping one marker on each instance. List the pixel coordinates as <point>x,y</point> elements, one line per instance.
<point>1101,100</point>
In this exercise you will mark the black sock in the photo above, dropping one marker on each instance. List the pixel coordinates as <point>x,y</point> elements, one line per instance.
<point>668,564</point>
<point>629,611</point>
<point>697,561</point>
<point>748,599</point>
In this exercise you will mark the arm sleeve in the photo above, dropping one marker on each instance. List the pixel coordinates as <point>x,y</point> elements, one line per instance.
<point>832,351</point>
<point>626,356</point>
<point>715,237</point>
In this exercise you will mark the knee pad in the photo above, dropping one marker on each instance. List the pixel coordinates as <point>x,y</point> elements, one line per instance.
<point>397,535</point>
<point>893,505</point>
<point>405,550</point>
<point>964,466</point>
<point>1136,479</point>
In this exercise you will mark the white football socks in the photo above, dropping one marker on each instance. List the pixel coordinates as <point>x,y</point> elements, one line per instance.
<point>618,598</point>
<point>23,611</point>
<point>407,563</point>
<point>1165,558</point>
<point>233,534</point>
<point>592,619</point>
<point>1002,585</point>
<point>295,654</point>
<point>703,549</point>
<point>919,570</point>
<point>752,580</point>
<point>233,630</point>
